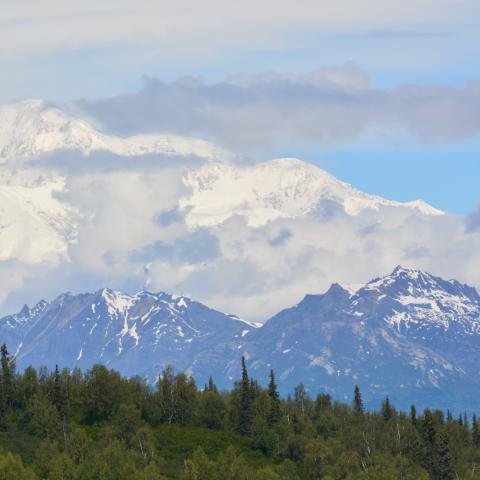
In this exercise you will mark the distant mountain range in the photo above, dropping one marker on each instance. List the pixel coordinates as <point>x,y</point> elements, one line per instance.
<point>409,335</point>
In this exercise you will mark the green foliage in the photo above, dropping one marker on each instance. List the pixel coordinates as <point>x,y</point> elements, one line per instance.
<point>245,402</point>
<point>11,468</point>
<point>357,401</point>
<point>274,412</point>
<point>97,425</point>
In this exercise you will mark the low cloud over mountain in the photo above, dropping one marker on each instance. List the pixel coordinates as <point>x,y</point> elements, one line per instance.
<point>82,209</point>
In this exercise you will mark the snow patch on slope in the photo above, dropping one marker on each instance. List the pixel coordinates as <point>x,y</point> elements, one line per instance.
<point>32,128</point>
<point>281,188</point>
<point>425,301</point>
<point>34,225</point>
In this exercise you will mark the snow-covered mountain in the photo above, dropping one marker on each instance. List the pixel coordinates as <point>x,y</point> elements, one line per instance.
<point>35,226</point>
<point>412,301</point>
<point>32,127</point>
<point>280,188</point>
<point>38,224</point>
<point>137,334</point>
<point>410,335</point>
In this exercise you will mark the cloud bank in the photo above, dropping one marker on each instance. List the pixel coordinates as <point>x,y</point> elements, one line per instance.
<point>129,220</point>
<point>131,234</point>
<point>326,107</point>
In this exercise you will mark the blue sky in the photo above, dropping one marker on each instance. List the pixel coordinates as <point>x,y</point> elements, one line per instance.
<point>94,50</point>
<point>447,180</point>
<point>446,177</point>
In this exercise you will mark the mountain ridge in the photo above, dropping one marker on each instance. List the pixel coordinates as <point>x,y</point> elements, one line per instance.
<point>328,341</point>
<point>278,188</point>
<point>33,127</point>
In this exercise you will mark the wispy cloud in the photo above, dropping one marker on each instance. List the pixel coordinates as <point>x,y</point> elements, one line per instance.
<point>408,34</point>
<point>30,27</point>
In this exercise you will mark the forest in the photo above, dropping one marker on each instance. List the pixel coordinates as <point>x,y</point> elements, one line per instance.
<point>97,425</point>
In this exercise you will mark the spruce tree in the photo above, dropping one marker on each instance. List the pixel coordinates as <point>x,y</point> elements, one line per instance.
<point>443,466</point>
<point>449,416</point>
<point>387,409</point>
<point>254,389</point>
<point>413,415</point>
<point>211,386</point>
<point>6,382</point>
<point>357,401</point>
<point>429,437</point>
<point>58,393</point>
<point>60,400</point>
<point>274,410</point>
<point>465,422</point>
<point>245,414</point>
<point>475,431</point>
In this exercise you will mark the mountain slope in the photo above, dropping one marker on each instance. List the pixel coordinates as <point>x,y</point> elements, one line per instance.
<point>35,226</point>
<point>409,335</point>
<point>137,334</point>
<point>281,188</point>
<point>32,128</point>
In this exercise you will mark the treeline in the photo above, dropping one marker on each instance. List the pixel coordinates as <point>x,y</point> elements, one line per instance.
<point>98,425</point>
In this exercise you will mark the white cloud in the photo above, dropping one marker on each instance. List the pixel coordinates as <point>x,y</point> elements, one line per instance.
<point>131,231</point>
<point>325,107</point>
<point>132,235</point>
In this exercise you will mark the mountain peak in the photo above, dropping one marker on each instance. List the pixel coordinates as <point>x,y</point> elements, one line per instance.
<point>33,127</point>
<point>409,321</point>
<point>336,289</point>
<point>400,274</point>
<point>416,300</point>
<point>275,189</point>
<point>413,273</point>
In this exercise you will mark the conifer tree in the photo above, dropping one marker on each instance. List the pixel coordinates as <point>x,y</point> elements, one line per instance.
<point>475,431</point>
<point>59,400</point>
<point>274,411</point>
<point>6,381</point>
<point>465,422</point>
<point>254,389</point>
<point>357,401</point>
<point>449,416</point>
<point>428,428</point>
<point>387,409</point>
<point>211,386</point>
<point>443,468</point>
<point>413,415</point>
<point>429,436</point>
<point>58,393</point>
<point>245,414</point>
